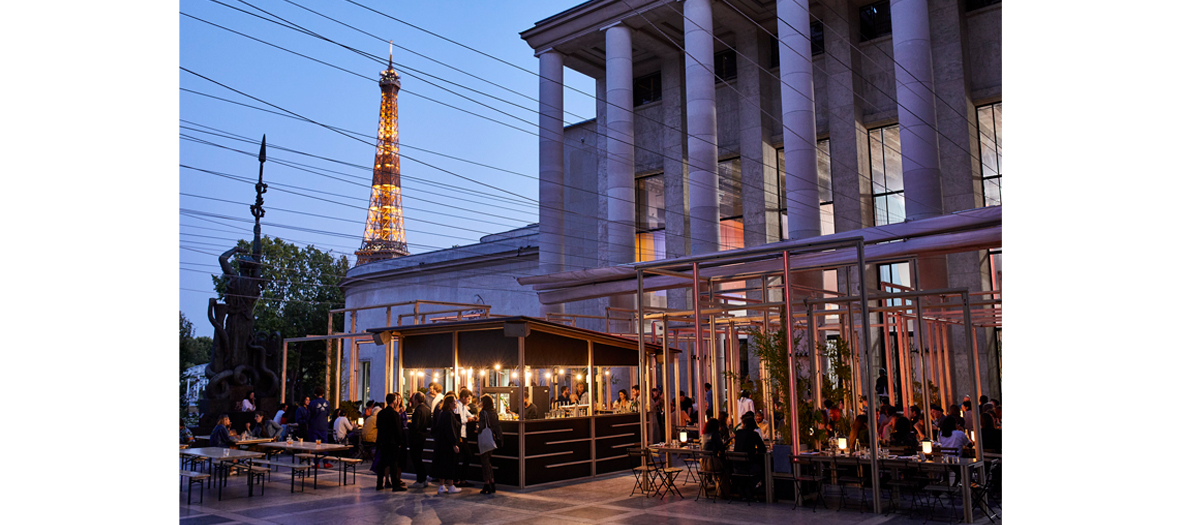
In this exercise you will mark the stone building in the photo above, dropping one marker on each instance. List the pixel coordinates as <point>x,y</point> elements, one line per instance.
<point>724,124</point>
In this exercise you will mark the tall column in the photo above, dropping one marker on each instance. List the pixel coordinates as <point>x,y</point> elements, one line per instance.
<point>798,95</point>
<point>552,168</point>
<point>914,72</point>
<point>620,149</point>
<point>760,216</point>
<point>701,104</point>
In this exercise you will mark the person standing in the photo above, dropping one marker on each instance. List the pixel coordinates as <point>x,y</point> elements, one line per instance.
<point>418,431</point>
<point>708,400</point>
<point>465,418</point>
<point>390,439</point>
<point>488,419</point>
<point>317,424</point>
<point>302,416</point>
<point>745,404</point>
<point>446,446</point>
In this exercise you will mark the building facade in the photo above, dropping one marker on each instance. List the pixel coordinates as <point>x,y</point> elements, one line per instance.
<point>723,124</point>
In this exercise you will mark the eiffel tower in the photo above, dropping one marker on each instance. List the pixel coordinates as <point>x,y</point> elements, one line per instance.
<point>385,234</point>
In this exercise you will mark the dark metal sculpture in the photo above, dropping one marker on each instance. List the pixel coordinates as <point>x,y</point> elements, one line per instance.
<point>241,357</point>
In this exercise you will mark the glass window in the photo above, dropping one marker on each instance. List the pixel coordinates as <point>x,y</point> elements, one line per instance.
<point>885,164</point>
<point>827,222</point>
<point>649,218</point>
<point>725,65</point>
<point>729,184</point>
<point>817,38</point>
<point>875,20</point>
<point>892,276</point>
<point>979,4</point>
<point>648,88</point>
<point>732,234</point>
<point>991,150</point>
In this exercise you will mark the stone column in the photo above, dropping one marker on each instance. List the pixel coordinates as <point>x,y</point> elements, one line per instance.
<point>798,94</point>
<point>551,168</point>
<point>760,216</point>
<point>676,186</point>
<point>914,73</point>
<point>704,218</point>
<point>620,148</point>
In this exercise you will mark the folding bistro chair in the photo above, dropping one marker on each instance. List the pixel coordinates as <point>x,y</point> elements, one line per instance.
<point>642,471</point>
<point>709,474</point>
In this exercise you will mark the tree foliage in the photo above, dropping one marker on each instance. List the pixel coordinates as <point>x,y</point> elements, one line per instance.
<point>301,286</point>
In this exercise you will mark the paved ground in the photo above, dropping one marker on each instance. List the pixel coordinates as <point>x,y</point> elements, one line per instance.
<point>603,500</point>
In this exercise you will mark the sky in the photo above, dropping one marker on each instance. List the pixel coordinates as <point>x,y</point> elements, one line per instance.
<point>328,209</point>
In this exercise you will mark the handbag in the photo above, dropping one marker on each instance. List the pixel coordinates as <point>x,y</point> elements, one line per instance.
<point>487,441</point>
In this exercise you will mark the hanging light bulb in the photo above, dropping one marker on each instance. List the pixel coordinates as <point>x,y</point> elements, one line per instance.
<point>548,375</point>
<point>482,373</point>
<point>579,377</point>
<point>514,374</point>
<point>497,367</point>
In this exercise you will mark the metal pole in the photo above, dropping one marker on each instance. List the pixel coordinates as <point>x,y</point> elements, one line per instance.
<point>946,361</point>
<point>697,346</point>
<point>670,395</point>
<point>643,366</point>
<point>520,432</point>
<point>864,309</point>
<point>788,341</point>
<point>283,383</point>
<point>922,365</point>
<point>974,364</point>
<point>889,365</point>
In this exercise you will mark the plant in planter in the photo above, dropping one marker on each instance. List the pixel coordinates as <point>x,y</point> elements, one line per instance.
<point>771,349</point>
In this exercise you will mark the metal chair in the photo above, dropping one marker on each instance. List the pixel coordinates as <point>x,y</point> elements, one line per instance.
<point>709,474</point>
<point>743,478</point>
<point>665,478</point>
<point>641,469</point>
<point>981,494</point>
<point>815,476</point>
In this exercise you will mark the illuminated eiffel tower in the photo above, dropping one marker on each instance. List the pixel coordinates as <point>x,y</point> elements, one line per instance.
<point>385,234</point>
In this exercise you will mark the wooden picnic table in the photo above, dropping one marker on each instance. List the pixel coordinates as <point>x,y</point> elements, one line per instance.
<point>217,456</point>
<point>317,451</point>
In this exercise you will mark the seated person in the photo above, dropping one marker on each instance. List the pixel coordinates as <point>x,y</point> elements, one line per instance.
<point>949,435</point>
<point>763,426</point>
<point>222,436</point>
<point>713,442</point>
<point>341,427</point>
<point>623,403</point>
<point>186,436</point>
<point>903,432</point>
<point>369,431</point>
<point>746,439</point>
<point>990,434</point>
<point>564,398</point>
<point>859,433</point>
<point>264,428</point>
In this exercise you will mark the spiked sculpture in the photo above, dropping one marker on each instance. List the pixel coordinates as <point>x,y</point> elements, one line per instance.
<point>242,359</point>
<point>385,235</point>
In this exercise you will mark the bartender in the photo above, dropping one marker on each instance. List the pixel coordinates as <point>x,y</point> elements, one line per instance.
<point>530,410</point>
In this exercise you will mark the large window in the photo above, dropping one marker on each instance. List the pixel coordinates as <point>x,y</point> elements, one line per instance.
<point>649,218</point>
<point>648,88</point>
<point>729,181</point>
<point>991,150</point>
<point>827,223</point>
<point>817,38</point>
<point>885,162</point>
<point>980,4</point>
<point>725,65</point>
<point>875,20</point>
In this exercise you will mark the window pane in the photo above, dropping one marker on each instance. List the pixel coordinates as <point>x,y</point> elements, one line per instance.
<point>827,219</point>
<point>876,161</point>
<point>991,155</point>
<point>823,153</point>
<point>892,147</point>
<point>991,192</point>
<point>649,246</point>
<point>999,119</point>
<point>729,181</point>
<point>732,234</point>
<point>649,203</point>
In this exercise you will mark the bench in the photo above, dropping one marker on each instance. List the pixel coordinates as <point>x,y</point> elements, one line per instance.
<point>345,464</point>
<point>296,470</point>
<point>195,477</point>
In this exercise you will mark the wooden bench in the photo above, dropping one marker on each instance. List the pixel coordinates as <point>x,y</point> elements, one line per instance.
<point>296,470</point>
<point>195,477</point>
<point>345,464</point>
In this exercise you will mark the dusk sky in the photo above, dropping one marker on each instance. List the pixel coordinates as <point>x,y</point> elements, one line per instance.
<point>214,210</point>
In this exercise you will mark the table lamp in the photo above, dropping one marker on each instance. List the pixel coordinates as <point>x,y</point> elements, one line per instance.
<point>927,447</point>
<point>842,443</point>
<point>360,421</point>
<point>683,436</point>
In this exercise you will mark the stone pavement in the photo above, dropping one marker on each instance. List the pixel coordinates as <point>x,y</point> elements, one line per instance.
<point>602,500</point>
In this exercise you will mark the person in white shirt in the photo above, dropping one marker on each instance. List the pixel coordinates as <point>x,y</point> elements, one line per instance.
<point>435,389</point>
<point>465,417</point>
<point>279,415</point>
<point>342,427</point>
<point>745,404</point>
<point>248,403</point>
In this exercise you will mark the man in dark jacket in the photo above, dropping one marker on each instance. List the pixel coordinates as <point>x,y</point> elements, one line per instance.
<point>317,424</point>
<point>390,438</point>
<point>418,432</point>
<point>301,417</point>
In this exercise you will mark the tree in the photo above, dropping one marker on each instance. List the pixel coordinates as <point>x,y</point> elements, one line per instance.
<point>301,286</point>
<point>193,351</point>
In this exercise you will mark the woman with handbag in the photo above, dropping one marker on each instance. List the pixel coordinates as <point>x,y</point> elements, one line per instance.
<point>488,430</point>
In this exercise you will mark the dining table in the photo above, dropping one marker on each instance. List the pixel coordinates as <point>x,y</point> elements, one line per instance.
<point>897,463</point>
<point>317,450</point>
<point>221,461</point>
